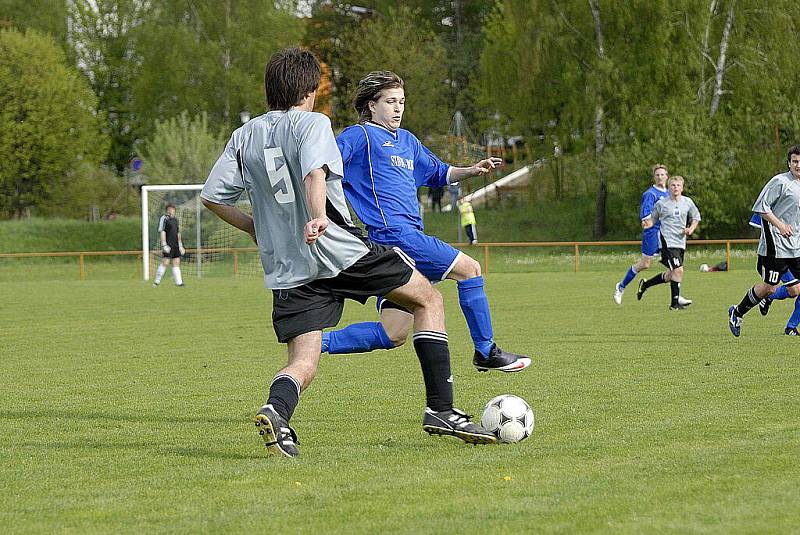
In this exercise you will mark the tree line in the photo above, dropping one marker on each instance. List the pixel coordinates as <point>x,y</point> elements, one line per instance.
<point>600,89</point>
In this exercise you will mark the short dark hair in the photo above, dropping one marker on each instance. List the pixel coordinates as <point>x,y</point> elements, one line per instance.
<point>793,150</point>
<point>290,75</point>
<point>169,205</point>
<point>369,89</point>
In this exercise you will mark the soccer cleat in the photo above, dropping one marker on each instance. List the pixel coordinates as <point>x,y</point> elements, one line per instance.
<point>684,302</point>
<point>456,423</point>
<point>278,437</point>
<point>734,321</point>
<point>618,290</point>
<point>500,360</point>
<point>791,331</point>
<point>679,306</point>
<point>155,285</point>
<point>763,306</point>
<point>640,291</point>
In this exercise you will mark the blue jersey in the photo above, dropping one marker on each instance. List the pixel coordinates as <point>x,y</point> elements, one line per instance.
<point>382,171</point>
<point>649,199</point>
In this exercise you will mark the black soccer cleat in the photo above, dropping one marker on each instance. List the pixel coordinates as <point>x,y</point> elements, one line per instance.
<point>677,307</point>
<point>640,290</point>
<point>791,331</point>
<point>763,306</point>
<point>456,423</point>
<point>278,437</point>
<point>500,360</point>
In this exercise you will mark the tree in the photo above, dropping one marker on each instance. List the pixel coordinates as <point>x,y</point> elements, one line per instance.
<point>48,121</point>
<point>181,150</point>
<point>47,17</point>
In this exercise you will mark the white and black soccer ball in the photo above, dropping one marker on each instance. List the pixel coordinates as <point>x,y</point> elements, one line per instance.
<point>509,417</point>
<point>704,267</point>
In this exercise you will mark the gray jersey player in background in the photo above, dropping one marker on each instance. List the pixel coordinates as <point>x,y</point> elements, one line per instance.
<point>313,256</point>
<point>778,204</point>
<point>673,212</point>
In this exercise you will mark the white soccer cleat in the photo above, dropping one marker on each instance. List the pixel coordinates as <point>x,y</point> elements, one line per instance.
<point>683,301</point>
<point>618,291</point>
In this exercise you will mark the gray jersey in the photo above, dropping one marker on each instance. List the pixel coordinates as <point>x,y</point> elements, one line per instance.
<point>269,157</point>
<point>781,196</point>
<point>675,215</point>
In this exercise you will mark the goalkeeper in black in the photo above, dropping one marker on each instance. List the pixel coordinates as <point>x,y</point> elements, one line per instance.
<point>169,235</point>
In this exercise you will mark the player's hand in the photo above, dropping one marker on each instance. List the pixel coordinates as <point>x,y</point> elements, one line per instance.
<point>785,230</point>
<point>181,249</point>
<point>166,249</point>
<point>688,231</point>
<point>487,165</point>
<point>314,229</point>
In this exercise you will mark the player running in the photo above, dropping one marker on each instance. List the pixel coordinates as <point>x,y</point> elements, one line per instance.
<point>650,245</point>
<point>383,167</point>
<point>313,256</point>
<point>778,204</point>
<point>783,292</point>
<point>171,246</point>
<point>672,212</point>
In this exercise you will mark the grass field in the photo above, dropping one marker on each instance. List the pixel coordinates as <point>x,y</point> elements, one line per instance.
<point>127,409</point>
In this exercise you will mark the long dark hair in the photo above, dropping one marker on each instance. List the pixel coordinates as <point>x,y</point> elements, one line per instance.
<point>369,90</point>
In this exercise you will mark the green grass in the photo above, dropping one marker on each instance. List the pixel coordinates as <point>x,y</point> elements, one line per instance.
<point>126,409</point>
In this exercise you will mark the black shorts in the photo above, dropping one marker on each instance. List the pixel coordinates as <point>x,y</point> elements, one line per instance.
<point>771,269</point>
<point>319,304</point>
<point>672,257</point>
<point>174,252</point>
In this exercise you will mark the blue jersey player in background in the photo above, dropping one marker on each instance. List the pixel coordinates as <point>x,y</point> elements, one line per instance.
<point>383,167</point>
<point>783,292</point>
<point>650,243</point>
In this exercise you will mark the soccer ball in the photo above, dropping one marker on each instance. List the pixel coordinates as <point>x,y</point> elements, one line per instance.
<point>704,267</point>
<point>508,417</point>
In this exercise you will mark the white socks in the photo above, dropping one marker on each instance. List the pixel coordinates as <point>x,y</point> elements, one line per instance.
<point>160,273</point>
<point>176,274</point>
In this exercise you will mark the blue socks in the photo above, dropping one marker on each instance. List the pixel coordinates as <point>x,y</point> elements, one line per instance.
<point>781,293</point>
<point>475,307</point>
<point>629,276</point>
<point>794,319</point>
<point>356,338</point>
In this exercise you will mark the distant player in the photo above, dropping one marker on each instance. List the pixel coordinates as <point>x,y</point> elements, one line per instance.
<point>169,234</point>
<point>467,216</point>
<point>313,256</point>
<point>650,235</point>
<point>383,167</point>
<point>778,204</point>
<point>783,292</point>
<point>672,212</point>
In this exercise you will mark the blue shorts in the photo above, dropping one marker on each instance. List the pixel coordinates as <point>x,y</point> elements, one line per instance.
<point>650,245</point>
<point>432,257</point>
<point>788,277</point>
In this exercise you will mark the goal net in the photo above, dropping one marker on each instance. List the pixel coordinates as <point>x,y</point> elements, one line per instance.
<point>213,247</point>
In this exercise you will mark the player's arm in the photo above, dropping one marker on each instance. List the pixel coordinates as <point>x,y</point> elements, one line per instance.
<point>785,230</point>
<point>457,174</point>
<point>650,220</point>
<point>180,244</point>
<point>694,213</point>
<point>233,216</point>
<point>316,198</point>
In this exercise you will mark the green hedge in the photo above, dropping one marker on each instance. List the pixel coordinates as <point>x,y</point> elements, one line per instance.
<point>48,235</point>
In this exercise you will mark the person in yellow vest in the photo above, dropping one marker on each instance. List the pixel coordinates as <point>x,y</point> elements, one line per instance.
<point>468,221</point>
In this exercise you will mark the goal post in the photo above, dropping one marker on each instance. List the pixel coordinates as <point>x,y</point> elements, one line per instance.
<point>212,246</point>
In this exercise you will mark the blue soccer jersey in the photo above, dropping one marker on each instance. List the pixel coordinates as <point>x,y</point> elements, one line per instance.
<point>382,171</point>
<point>650,197</point>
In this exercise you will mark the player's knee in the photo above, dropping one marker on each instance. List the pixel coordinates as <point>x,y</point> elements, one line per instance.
<point>793,290</point>
<point>397,336</point>
<point>467,268</point>
<point>677,273</point>
<point>644,263</point>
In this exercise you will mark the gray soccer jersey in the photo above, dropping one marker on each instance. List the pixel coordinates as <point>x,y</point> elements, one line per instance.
<point>269,157</point>
<point>781,196</point>
<point>674,215</point>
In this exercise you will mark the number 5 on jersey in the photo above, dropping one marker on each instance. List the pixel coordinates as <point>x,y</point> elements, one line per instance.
<point>279,179</point>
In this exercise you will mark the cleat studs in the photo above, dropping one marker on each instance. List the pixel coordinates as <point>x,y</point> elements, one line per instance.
<point>261,432</point>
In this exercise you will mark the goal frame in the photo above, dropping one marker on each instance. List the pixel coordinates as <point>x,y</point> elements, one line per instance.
<point>146,227</point>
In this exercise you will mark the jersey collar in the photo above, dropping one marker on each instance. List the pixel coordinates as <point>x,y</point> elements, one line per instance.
<point>376,125</point>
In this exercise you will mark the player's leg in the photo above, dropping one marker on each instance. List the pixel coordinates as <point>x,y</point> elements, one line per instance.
<point>298,317</point>
<point>466,271</point>
<point>472,234</point>
<point>162,268</point>
<point>391,331</point>
<point>675,277</point>
<point>661,278</point>
<point>431,346</point>
<point>781,292</point>
<point>176,271</point>
<point>794,320</point>
<point>771,270</point>
<point>284,394</point>
<point>649,249</point>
